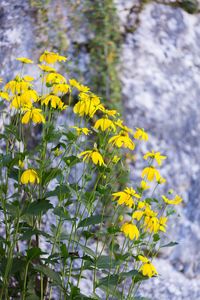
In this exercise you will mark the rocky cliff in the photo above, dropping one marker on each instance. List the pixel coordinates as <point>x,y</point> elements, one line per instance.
<point>160,75</point>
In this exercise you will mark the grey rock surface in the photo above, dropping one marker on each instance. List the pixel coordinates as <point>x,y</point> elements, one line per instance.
<point>161,93</point>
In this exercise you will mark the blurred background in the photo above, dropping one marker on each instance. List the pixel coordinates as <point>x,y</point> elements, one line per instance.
<point>143,58</point>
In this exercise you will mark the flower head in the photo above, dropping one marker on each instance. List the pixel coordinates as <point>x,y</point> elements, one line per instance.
<point>151,172</point>
<point>144,185</point>
<point>51,58</point>
<point>177,200</point>
<point>140,133</point>
<point>86,131</point>
<point>29,175</point>
<point>122,139</point>
<point>46,68</point>
<point>25,60</point>
<point>104,123</point>
<point>147,268</point>
<point>4,95</point>
<point>94,155</point>
<point>34,115</point>
<point>130,230</point>
<point>153,155</point>
<point>126,196</point>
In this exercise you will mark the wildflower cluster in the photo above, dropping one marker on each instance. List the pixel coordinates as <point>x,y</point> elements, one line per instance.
<point>79,166</point>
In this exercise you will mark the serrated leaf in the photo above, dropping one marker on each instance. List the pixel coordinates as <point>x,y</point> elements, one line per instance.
<point>93,220</point>
<point>59,190</point>
<point>33,253</point>
<point>50,174</point>
<point>29,233</point>
<point>37,207</point>
<point>59,211</point>
<point>54,276</point>
<point>13,173</point>
<point>87,250</point>
<point>112,279</point>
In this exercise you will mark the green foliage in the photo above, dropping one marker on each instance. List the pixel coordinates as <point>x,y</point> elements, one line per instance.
<point>61,193</point>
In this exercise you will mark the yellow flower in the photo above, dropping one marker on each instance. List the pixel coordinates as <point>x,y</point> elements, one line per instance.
<point>74,83</point>
<point>126,197</point>
<point>46,68</point>
<point>140,133</point>
<point>109,112</point>
<point>21,164</point>
<point>54,78</point>
<point>150,172</point>
<point>61,106</point>
<point>88,105</point>
<point>17,85</point>
<point>29,176</point>
<point>144,185</point>
<point>1,80</point>
<point>94,155</point>
<point>147,269</point>
<point>162,222</point>
<point>124,128</point>
<point>177,200</point>
<point>19,101</point>
<point>33,114</point>
<point>153,155</point>
<point>138,215</point>
<point>115,159</point>
<point>25,60</point>
<point>86,131</point>
<point>160,180</point>
<point>104,124</point>
<point>130,230</point>
<point>4,95</point>
<point>55,100</point>
<point>51,58</point>
<point>61,87</point>
<point>122,139</point>
<point>58,152</point>
<point>28,78</point>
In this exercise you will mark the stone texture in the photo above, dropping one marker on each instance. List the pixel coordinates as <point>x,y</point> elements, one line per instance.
<point>160,75</point>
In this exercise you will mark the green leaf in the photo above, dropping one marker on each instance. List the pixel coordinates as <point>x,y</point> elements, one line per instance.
<point>62,189</point>
<point>61,212</point>
<point>112,279</point>
<point>18,265</point>
<point>171,244</point>
<point>148,200</point>
<point>37,207</point>
<point>156,237</point>
<point>54,276</point>
<point>72,160</point>
<point>50,174</point>
<point>13,173</point>
<point>93,220</point>
<point>87,250</point>
<point>138,298</point>
<point>33,253</point>
<point>102,189</point>
<point>70,136</point>
<point>111,289</point>
<point>29,233</point>
<point>12,208</point>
